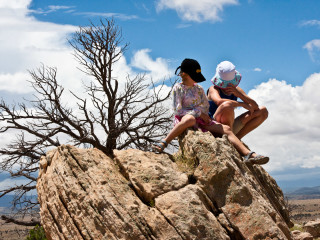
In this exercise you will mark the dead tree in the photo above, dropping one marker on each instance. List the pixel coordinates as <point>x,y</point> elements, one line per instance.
<point>113,114</point>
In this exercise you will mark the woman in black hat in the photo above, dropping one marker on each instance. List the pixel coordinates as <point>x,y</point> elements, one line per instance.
<point>191,110</point>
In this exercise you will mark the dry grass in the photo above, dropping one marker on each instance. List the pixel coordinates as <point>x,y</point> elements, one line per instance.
<point>185,165</point>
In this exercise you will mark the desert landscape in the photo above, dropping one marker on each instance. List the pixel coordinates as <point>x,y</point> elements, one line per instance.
<point>304,210</point>
<point>304,204</point>
<point>11,231</point>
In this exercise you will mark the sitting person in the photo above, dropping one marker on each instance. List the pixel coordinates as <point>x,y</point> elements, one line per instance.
<point>223,98</point>
<point>191,110</point>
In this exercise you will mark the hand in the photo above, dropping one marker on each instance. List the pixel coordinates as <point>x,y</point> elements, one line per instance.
<point>249,108</point>
<point>231,89</point>
<point>205,118</point>
<point>255,107</point>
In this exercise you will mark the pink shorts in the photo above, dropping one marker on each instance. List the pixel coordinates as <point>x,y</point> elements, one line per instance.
<point>199,123</point>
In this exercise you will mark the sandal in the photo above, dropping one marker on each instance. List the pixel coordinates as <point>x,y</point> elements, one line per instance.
<point>259,159</point>
<point>159,146</point>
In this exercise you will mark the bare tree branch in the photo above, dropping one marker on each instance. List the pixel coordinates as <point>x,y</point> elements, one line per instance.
<point>114,114</point>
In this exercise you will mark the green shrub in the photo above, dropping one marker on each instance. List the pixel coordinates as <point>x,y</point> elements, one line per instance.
<point>297,227</point>
<point>37,233</point>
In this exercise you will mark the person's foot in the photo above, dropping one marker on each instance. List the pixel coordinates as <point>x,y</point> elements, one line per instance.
<point>159,146</point>
<point>254,158</point>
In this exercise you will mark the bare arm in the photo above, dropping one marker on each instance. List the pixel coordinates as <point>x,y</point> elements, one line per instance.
<point>238,92</point>
<point>214,95</point>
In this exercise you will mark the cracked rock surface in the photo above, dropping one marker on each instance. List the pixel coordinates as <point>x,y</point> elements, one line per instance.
<point>84,194</point>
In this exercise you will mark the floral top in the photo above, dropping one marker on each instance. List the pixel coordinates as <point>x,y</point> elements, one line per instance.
<point>189,100</point>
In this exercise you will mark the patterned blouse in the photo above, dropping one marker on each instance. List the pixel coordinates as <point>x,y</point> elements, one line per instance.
<point>189,100</point>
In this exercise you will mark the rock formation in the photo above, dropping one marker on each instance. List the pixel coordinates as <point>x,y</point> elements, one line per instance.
<point>204,192</point>
<point>313,227</point>
<point>298,235</point>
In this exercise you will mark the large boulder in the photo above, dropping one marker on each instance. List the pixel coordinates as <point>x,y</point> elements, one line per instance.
<point>204,192</point>
<point>248,196</point>
<point>313,227</point>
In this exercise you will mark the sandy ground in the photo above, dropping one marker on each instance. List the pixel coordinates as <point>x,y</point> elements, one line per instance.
<point>304,210</point>
<point>10,231</point>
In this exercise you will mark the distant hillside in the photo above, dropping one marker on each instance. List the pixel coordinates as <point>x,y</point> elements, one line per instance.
<point>305,193</point>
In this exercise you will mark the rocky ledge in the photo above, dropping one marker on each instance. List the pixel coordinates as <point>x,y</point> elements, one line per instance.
<point>204,192</point>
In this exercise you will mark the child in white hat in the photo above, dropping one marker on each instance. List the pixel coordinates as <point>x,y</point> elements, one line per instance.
<point>191,110</point>
<point>223,99</point>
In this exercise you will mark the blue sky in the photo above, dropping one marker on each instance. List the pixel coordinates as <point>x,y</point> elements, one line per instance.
<point>266,35</point>
<point>274,44</point>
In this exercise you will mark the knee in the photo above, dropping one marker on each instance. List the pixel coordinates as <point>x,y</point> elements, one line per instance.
<point>264,112</point>
<point>226,110</point>
<point>226,105</point>
<point>188,120</point>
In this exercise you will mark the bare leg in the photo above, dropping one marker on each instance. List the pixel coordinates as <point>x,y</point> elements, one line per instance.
<point>224,129</point>
<point>225,114</point>
<point>186,122</point>
<point>252,121</point>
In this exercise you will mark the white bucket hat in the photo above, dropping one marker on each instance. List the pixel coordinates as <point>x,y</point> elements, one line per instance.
<point>226,75</point>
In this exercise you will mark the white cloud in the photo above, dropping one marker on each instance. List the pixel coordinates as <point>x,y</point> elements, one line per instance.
<point>311,23</point>
<point>72,9</point>
<point>108,15</point>
<point>257,69</point>
<point>290,135</point>
<point>198,11</point>
<point>16,82</point>
<point>15,4</point>
<point>30,42</point>
<point>27,43</point>
<point>156,69</point>
<point>5,184</point>
<point>56,7</point>
<point>184,25</point>
<point>313,48</point>
<point>53,8</point>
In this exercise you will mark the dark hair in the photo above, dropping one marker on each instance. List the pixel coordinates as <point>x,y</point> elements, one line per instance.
<point>192,68</point>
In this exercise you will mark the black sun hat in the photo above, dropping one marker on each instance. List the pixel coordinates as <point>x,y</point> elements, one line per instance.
<point>192,67</point>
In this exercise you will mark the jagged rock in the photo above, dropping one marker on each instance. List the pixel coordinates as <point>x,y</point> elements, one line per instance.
<point>297,235</point>
<point>313,227</point>
<point>242,192</point>
<point>84,194</point>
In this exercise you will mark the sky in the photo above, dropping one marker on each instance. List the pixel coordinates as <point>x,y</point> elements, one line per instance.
<point>275,45</point>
